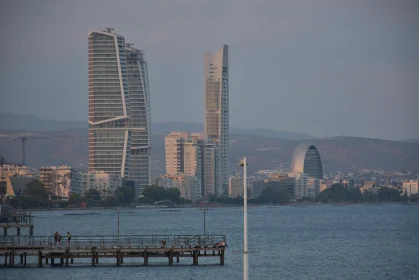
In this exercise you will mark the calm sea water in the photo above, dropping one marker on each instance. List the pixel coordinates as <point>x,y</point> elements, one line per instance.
<point>314,242</point>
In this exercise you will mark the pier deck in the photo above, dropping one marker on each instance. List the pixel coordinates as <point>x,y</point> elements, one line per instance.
<point>171,247</point>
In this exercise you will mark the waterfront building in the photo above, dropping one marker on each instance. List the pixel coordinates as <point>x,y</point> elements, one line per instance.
<point>119,108</point>
<point>306,159</point>
<point>105,183</point>
<point>216,124</point>
<point>236,188</point>
<point>174,147</point>
<point>16,184</point>
<point>188,186</point>
<point>410,187</point>
<point>313,187</point>
<point>277,182</point>
<point>192,154</point>
<point>56,180</point>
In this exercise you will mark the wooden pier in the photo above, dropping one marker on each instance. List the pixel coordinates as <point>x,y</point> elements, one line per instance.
<point>15,250</point>
<point>17,220</point>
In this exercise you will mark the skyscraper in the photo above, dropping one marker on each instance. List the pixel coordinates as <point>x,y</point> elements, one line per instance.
<point>216,111</point>
<point>119,108</point>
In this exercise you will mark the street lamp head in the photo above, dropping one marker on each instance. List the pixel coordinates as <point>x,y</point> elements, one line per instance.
<point>241,163</point>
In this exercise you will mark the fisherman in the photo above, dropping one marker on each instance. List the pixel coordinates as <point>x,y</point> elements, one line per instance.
<point>56,234</point>
<point>68,238</point>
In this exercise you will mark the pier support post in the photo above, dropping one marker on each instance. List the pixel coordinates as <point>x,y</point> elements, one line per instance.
<point>18,231</point>
<point>177,258</point>
<point>12,259</point>
<point>24,258</point>
<point>222,257</point>
<point>118,258</point>
<point>93,257</point>
<point>195,257</point>
<point>61,261</point>
<point>52,261</point>
<point>5,258</point>
<point>46,259</point>
<point>67,254</point>
<point>21,258</point>
<point>40,258</point>
<point>171,257</point>
<point>145,255</point>
<point>72,261</point>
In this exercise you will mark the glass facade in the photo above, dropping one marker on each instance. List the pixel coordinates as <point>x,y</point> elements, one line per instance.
<point>119,108</point>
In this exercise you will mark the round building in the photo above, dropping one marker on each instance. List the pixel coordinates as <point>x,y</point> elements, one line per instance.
<point>306,159</point>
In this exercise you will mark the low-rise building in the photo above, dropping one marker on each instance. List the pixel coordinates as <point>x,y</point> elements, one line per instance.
<point>188,186</point>
<point>105,183</point>
<point>56,180</point>
<point>410,187</point>
<point>236,188</point>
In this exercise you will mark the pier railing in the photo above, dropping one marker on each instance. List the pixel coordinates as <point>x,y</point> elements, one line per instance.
<point>113,241</point>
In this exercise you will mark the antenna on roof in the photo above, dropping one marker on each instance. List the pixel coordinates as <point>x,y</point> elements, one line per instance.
<point>109,30</point>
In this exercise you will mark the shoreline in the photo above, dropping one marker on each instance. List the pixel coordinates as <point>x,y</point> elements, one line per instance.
<point>213,206</point>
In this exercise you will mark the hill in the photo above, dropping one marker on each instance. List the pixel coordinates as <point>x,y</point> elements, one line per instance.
<point>348,154</point>
<point>33,123</point>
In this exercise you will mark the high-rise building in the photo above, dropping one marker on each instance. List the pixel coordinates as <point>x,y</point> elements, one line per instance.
<point>174,145</point>
<point>191,154</point>
<point>217,111</point>
<point>119,108</point>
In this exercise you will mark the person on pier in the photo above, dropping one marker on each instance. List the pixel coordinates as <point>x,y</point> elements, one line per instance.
<point>68,238</point>
<point>56,234</point>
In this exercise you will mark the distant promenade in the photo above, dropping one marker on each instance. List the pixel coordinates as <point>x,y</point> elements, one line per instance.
<point>15,250</point>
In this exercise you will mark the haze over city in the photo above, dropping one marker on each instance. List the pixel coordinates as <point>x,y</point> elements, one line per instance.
<point>318,67</point>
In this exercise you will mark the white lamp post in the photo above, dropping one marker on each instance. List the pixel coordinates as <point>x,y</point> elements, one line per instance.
<point>243,163</point>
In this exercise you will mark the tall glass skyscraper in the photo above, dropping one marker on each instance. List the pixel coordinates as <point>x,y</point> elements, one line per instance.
<point>119,108</point>
<point>216,111</point>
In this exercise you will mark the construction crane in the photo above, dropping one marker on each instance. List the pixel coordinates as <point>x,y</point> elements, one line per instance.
<point>24,139</point>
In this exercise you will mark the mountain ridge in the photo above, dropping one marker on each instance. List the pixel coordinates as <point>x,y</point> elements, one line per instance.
<point>32,123</point>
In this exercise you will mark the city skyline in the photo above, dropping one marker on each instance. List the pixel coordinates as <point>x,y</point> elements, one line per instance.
<point>346,67</point>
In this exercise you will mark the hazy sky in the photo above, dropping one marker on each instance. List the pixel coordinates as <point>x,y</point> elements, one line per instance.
<point>317,67</point>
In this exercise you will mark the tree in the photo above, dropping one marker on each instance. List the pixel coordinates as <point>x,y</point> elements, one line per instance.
<point>336,193</point>
<point>387,194</point>
<point>74,199</point>
<point>92,197</point>
<point>36,189</point>
<point>34,196</point>
<point>112,201</point>
<point>128,194</point>
<point>155,193</point>
<point>120,196</point>
<point>268,195</point>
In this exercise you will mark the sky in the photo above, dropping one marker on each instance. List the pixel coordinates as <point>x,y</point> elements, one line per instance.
<point>324,68</point>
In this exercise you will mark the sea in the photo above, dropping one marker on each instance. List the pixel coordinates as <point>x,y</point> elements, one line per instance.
<point>285,242</point>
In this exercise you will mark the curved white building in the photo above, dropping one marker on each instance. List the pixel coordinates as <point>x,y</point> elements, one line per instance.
<point>306,159</point>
